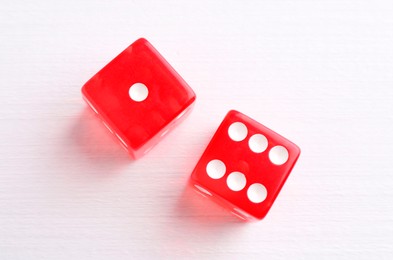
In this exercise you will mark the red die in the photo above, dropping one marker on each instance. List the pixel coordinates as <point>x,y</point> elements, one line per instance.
<point>139,97</point>
<point>244,166</point>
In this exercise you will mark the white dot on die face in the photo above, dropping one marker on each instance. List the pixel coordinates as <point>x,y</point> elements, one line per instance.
<point>256,193</point>
<point>237,131</point>
<point>138,92</point>
<point>278,155</point>
<point>215,169</point>
<point>236,181</point>
<point>258,143</point>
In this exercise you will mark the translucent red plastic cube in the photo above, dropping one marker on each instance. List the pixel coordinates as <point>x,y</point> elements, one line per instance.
<point>244,166</point>
<point>139,97</point>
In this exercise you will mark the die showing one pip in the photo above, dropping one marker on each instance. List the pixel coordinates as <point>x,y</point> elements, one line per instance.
<point>244,166</point>
<point>139,97</point>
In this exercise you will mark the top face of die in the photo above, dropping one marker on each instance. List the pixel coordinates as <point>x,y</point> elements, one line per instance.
<point>246,163</point>
<point>139,93</point>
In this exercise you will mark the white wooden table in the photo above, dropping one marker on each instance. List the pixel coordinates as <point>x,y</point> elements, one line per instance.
<point>318,72</point>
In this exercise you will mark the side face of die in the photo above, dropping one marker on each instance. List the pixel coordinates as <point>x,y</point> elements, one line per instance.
<point>245,166</point>
<point>139,97</point>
